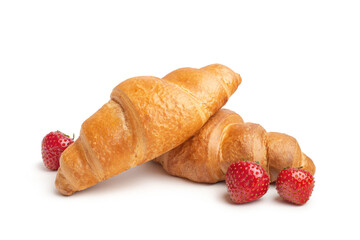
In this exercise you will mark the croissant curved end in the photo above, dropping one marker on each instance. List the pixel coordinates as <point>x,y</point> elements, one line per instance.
<point>74,173</point>
<point>230,79</point>
<point>63,185</point>
<point>308,164</point>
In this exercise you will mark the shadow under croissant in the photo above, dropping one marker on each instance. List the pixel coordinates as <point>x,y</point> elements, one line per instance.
<point>130,178</point>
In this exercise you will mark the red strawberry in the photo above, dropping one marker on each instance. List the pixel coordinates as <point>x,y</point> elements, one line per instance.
<point>52,146</point>
<point>295,185</point>
<point>246,181</point>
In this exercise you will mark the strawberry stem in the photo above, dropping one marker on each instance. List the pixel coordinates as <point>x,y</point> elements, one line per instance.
<point>73,137</point>
<point>63,133</point>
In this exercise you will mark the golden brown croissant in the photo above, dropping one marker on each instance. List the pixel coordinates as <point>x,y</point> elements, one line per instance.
<point>225,139</point>
<point>146,117</point>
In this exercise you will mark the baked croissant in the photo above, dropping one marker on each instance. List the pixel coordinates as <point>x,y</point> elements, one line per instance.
<point>225,139</point>
<point>145,117</point>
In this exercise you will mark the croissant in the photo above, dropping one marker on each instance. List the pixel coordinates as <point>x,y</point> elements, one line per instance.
<point>225,139</point>
<point>145,117</point>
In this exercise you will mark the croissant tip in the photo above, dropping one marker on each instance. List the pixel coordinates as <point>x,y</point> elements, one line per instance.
<point>65,192</point>
<point>239,78</point>
<point>62,186</point>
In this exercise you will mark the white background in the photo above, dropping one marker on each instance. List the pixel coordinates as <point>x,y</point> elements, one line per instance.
<point>59,61</point>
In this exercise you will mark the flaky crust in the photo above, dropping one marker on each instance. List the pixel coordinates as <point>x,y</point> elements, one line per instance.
<point>225,139</point>
<point>146,117</point>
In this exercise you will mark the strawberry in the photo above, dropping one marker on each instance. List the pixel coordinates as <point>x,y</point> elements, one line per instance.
<point>246,181</point>
<point>52,146</point>
<point>295,185</point>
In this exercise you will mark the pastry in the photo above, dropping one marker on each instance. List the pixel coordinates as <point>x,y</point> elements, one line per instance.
<point>225,139</point>
<point>145,117</point>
